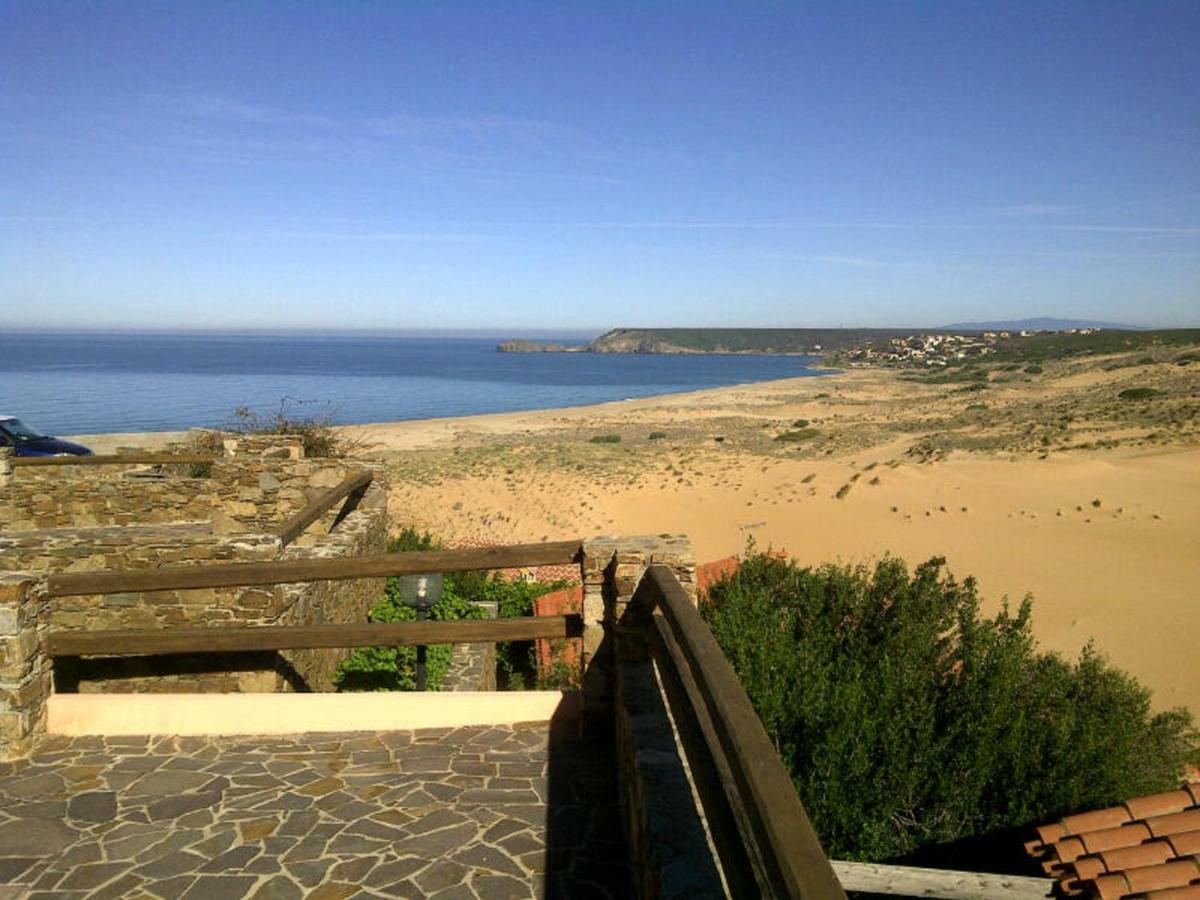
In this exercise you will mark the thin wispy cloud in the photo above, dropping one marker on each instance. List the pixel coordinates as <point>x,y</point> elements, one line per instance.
<point>883,226</point>
<point>1025,210</point>
<point>376,237</point>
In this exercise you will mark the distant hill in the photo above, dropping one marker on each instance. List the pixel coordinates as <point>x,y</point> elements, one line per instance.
<point>1039,324</point>
<point>738,340</point>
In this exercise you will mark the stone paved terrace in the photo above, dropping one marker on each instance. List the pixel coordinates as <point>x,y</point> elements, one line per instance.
<point>481,812</point>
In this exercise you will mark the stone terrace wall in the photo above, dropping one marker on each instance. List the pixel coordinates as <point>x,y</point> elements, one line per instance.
<point>246,490</point>
<point>364,531</point>
<point>135,523</point>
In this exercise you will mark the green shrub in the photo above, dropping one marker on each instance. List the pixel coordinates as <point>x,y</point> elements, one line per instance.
<point>395,668</point>
<point>842,492</point>
<point>908,720</point>
<point>657,435</point>
<point>800,423</point>
<point>977,407</point>
<point>1141,393</point>
<point>1034,370</point>
<point>803,434</point>
<point>605,439</point>
<point>316,432</point>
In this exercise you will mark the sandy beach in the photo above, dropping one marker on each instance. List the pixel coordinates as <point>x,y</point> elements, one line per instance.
<point>1106,538</point>
<point>1048,485</point>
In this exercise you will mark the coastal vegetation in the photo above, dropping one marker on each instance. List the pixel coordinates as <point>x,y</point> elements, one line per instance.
<point>395,668</point>
<point>315,430</point>
<point>908,719</point>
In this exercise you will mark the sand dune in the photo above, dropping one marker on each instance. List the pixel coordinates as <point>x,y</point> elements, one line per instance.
<point>1107,541</point>
<point>1047,485</point>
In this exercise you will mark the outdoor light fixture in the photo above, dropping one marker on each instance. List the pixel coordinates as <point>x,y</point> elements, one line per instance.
<point>421,592</point>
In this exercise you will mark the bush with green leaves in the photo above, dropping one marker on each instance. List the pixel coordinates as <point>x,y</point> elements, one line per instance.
<point>394,668</point>
<point>908,719</point>
<point>803,434</point>
<point>1139,393</point>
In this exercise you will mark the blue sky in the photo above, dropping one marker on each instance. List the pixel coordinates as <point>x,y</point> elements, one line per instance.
<point>584,166</point>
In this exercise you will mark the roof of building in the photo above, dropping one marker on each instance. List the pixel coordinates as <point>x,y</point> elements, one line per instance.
<point>1146,848</point>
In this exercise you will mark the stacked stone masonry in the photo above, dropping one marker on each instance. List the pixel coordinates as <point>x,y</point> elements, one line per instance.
<point>112,517</point>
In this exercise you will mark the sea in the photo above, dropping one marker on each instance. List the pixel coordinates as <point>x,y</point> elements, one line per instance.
<point>88,383</point>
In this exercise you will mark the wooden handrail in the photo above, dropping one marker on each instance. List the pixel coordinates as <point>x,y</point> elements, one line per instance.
<point>784,848</point>
<point>247,574</point>
<point>115,459</point>
<point>353,486</point>
<point>158,641</point>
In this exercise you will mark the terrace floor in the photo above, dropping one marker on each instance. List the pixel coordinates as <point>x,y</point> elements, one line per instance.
<point>481,812</point>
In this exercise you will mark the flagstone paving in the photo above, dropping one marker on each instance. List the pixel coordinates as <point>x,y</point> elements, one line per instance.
<point>486,812</point>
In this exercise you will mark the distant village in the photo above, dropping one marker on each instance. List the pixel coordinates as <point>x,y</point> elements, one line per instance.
<point>937,349</point>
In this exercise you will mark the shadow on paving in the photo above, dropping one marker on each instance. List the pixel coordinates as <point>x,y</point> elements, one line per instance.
<point>520,811</point>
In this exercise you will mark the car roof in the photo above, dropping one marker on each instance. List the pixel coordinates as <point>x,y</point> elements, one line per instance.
<point>8,418</point>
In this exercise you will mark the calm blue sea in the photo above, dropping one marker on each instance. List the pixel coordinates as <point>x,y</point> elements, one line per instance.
<point>88,383</point>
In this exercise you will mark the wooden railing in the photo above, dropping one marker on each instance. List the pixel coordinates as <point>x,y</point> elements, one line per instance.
<point>248,574</point>
<point>352,488</point>
<point>766,844</point>
<point>114,459</point>
<point>160,641</point>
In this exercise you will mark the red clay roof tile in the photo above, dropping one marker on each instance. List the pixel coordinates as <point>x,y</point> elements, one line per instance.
<point>1096,820</point>
<point>1159,804</point>
<point>1149,847</point>
<point>1187,892</point>
<point>1174,823</point>
<point>1148,878</point>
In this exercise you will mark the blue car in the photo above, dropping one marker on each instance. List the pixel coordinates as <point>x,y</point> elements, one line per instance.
<point>27,441</point>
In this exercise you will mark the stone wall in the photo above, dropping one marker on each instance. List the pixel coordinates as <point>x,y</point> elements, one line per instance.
<point>622,687</point>
<point>241,491</point>
<point>473,666</point>
<point>25,673</point>
<point>172,518</point>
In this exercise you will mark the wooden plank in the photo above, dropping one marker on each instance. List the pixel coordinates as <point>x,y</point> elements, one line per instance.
<point>794,863</point>
<point>117,459</point>
<point>355,482</point>
<point>155,641</point>
<point>423,562</point>
<point>910,881</point>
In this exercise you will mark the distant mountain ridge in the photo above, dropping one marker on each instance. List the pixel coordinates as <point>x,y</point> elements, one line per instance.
<point>794,341</point>
<point>1043,323</point>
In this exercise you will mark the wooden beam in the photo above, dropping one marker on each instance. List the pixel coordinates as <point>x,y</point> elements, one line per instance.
<point>793,862</point>
<point>118,459</point>
<point>355,482</point>
<point>246,574</point>
<point>156,642</point>
<point>910,881</point>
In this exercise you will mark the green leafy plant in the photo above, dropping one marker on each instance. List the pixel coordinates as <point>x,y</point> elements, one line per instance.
<point>315,431</point>
<point>908,719</point>
<point>657,435</point>
<point>1034,370</point>
<point>804,434</point>
<point>605,439</point>
<point>1140,393</point>
<point>800,423</point>
<point>394,668</point>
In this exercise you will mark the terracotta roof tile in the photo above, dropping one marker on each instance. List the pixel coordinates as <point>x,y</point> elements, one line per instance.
<point>1148,847</point>
<point>1160,804</point>
<point>1187,892</point>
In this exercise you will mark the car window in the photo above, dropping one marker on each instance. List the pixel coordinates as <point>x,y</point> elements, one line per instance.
<point>19,431</point>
